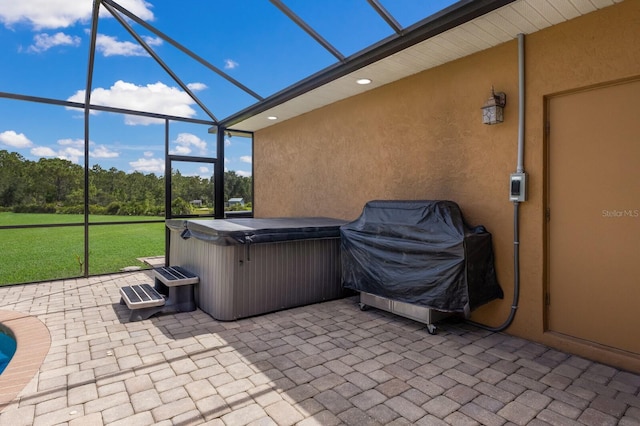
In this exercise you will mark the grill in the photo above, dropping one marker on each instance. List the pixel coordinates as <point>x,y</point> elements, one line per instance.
<point>418,259</point>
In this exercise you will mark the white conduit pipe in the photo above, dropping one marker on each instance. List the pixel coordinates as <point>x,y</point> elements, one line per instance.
<point>516,204</point>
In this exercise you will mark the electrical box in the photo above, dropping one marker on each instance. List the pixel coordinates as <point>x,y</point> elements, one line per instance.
<point>518,187</point>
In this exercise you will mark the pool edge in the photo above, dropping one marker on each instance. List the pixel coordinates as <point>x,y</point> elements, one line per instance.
<point>33,343</point>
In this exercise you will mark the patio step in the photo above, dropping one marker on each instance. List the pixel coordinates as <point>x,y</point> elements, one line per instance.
<point>175,275</point>
<point>173,291</point>
<point>140,296</point>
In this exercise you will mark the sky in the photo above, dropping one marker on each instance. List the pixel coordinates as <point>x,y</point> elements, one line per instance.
<point>45,44</point>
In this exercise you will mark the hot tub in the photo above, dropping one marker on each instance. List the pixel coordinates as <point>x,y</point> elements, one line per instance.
<point>252,266</point>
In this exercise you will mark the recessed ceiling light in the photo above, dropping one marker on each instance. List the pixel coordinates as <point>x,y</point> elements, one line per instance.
<point>363,81</point>
<point>272,117</point>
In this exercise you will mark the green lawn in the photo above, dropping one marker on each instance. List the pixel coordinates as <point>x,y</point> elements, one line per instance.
<point>38,254</point>
<point>11,219</point>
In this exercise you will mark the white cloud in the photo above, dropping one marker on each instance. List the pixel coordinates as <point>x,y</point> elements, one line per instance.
<point>73,150</point>
<point>61,13</point>
<point>72,154</point>
<point>246,159</point>
<point>110,46</point>
<point>148,154</point>
<point>68,152</point>
<point>102,151</point>
<point>203,170</point>
<point>196,86</point>
<point>186,142</point>
<point>158,98</point>
<point>16,140</point>
<point>78,143</point>
<point>43,151</point>
<point>43,42</point>
<point>148,165</point>
<point>45,13</point>
<point>153,41</point>
<point>181,150</point>
<point>191,139</point>
<point>140,8</point>
<point>230,64</point>
<point>243,173</point>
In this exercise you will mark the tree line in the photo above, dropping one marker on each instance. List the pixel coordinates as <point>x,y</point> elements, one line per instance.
<point>55,185</point>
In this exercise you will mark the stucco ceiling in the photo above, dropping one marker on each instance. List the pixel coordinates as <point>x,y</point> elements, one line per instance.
<point>439,45</point>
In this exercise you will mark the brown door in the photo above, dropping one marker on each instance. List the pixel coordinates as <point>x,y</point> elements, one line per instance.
<point>594,215</point>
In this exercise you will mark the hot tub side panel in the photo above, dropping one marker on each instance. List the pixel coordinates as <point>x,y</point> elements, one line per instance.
<point>216,266</point>
<point>238,281</point>
<point>283,275</point>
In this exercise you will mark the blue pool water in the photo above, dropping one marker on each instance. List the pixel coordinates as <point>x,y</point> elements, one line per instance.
<point>7,349</point>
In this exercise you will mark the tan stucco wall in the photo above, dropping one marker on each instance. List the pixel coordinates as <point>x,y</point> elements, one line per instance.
<point>422,138</point>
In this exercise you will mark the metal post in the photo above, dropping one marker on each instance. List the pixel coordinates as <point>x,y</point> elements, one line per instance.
<point>87,113</point>
<point>167,193</point>
<point>218,176</point>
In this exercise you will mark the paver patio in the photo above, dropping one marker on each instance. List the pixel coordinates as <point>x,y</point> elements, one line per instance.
<point>324,364</point>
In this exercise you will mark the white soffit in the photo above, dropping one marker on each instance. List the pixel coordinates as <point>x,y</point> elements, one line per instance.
<point>492,29</point>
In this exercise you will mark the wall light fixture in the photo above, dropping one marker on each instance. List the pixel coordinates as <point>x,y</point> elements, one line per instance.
<point>493,109</point>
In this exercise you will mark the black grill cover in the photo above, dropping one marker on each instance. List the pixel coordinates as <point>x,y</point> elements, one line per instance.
<point>419,252</point>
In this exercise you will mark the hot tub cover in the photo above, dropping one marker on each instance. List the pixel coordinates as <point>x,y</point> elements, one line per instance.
<point>253,231</point>
<point>419,252</point>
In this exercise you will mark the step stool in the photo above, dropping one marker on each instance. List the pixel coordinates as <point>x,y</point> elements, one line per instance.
<point>173,291</point>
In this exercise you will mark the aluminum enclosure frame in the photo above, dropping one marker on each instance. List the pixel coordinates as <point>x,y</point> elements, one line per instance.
<point>403,38</point>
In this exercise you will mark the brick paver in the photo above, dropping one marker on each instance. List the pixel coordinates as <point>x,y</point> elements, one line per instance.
<point>324,364</point>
